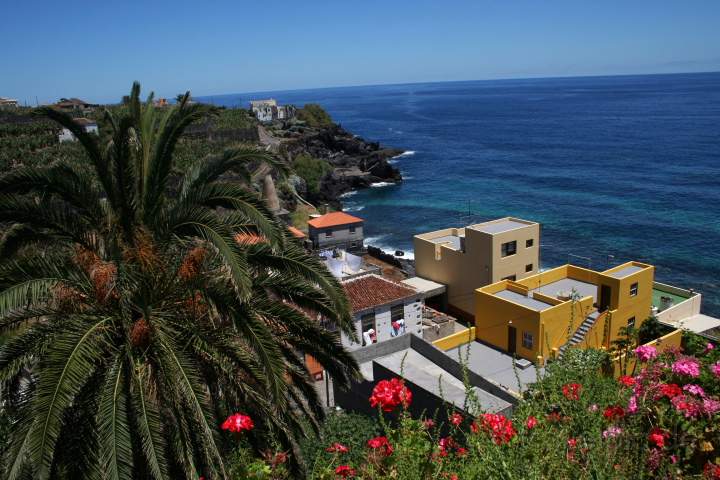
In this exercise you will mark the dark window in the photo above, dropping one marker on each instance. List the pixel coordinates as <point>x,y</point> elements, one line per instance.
<point>328,233</point>
<point>631,322</point>
<point>509,277</point>
<point>509,248</point>
<point>528,340</point>
<point>529,243</point>
<point>633,289</point>
<point>352,229</point>
<point>528,267</point>
<point>353,245</point>
<point>397,313</point>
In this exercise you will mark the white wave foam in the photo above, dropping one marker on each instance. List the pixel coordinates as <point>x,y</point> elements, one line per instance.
<point>354,208</point>
<point>348,194</point>
<point>406,153</point>
<point>382,184</point>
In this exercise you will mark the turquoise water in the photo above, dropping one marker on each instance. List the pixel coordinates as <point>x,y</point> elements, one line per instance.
<point>615,168</point>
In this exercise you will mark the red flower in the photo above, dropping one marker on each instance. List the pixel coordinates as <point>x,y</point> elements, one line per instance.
<point>428,423</point>
<point>531,422</point>
<point>388,394</point>
<point>237,423</point>
<point>345,471</point>
<point>446,444</point>
<point>572,443</point>
<point>613,412</point>
<point>711,471</point>
<point>670,390</point>
<point>461,452</point>
<point>337,448</point>
<point>626,381</point>
<point>572,391</point>
<point>498,426</point>
<point>378,443</point>
<point>474,428</point>
<point>658,437</point>
<point>456,419</point>
<point>554,417</point>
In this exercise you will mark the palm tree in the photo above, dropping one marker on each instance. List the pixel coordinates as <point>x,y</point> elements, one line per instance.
<point>145,306</point>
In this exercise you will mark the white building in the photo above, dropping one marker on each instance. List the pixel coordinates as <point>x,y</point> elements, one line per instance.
<point>382,309</point>
<point>90,126</point>
<point>8,103</point>
<point>269,110</point>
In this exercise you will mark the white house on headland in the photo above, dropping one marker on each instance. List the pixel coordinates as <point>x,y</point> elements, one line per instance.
<point>269,110</point>
<point>90,126</point>
<point>8,103</point>
<point>382,309</point>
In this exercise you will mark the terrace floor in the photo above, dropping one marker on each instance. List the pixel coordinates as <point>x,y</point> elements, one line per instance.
<point>495,365</point>
<point>565,286</point>
<point>657,294</point>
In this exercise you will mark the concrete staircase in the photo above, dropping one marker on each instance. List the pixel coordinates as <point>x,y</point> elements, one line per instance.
<point>580,333</point>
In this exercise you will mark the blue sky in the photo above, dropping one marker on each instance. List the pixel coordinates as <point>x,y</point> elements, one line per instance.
<point>94,50</point>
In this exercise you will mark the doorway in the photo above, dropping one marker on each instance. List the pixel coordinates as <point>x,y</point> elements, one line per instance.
<point>512,339</point>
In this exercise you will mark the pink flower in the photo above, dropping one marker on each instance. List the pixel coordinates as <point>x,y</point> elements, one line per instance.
<point>646,353</point>
<point>612,432</point>
<point>686,366</point>
<point>715,369</point>
<point>337,448</point>
<point>632,404</point>
<point>238,423</point>
<point>688,406</point>
<point>593,408</point>
<point>388,394</point>
<point>711,406</point>
<point>694,389</point>
<point>709,348</point>
<point>428,423</point>
<point>531,422</point>
<point>456,419</point>
<point>381,443</point>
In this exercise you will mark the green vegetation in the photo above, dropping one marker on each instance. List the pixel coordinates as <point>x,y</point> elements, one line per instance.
<point>312,170</point>
<point>314,116</point>
<point>137,320</point>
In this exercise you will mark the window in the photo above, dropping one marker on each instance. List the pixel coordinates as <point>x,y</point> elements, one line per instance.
<point>328,233</point>
<point>509,277</point>
<point>529,243</point>
<point>509,248</point>
<point>367,323</point>
<point>353,245</point>
<point>631,322</point>
<point>352,229</point>
<point>528,340</point>
<point>528,267</point>
<point>633,289</point>
<point>397,313</point>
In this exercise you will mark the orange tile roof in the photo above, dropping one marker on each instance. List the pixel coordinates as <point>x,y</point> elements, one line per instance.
<point>372,291</point>
<point>333,219</point>
<point>296,232</point>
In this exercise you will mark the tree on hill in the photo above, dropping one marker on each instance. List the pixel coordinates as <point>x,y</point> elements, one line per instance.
<point>143,309</point>
<point>314,116</point>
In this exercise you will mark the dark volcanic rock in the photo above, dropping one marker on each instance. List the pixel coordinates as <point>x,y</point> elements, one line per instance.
<point>356,162</point>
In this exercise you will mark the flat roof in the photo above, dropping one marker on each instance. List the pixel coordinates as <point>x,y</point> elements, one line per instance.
<point>430,377</point>
<point>495,365</point>
<point>454,240</point>
<point>424,286</point>
<point>697,323</point>
<point>625,271</point>
<point>522,300</point>
<point>500,226</point>
<point>564,287</point>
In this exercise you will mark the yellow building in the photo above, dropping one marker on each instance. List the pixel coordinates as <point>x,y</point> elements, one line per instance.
<point>464,259</point>
<point>541,315</point>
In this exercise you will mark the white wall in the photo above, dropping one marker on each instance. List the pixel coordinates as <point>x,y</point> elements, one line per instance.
<point>383,327</point>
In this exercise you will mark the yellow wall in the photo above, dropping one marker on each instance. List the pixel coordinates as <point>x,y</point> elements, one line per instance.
<point>560,322</point>
<point>623,304</point>
<point>492,319</point>
<point>456,339</point>
<point>626,366</point>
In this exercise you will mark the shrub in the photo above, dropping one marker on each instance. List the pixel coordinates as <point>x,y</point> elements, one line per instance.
<point>314,116</point>
<point>312,170</point>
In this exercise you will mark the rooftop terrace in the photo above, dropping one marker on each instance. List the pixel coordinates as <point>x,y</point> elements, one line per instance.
<point>563,288</point>
<point>625,271</point>
<point>500,226</point>
<point>526,301</point>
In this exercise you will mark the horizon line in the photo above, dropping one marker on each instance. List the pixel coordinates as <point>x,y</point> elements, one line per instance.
<point>500,79</point>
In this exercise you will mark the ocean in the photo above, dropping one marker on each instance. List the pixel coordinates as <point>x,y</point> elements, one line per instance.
<point>614,168</point>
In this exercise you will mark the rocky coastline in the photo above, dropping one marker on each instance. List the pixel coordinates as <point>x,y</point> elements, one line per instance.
<point>355,162</point>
